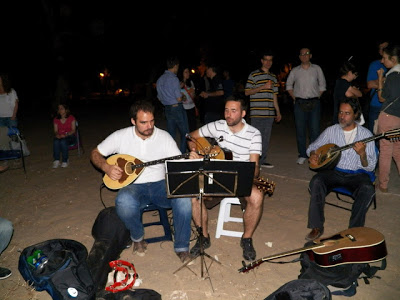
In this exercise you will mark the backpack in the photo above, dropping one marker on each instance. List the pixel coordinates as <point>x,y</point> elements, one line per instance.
<point>299,289</point>
<point>59,267</point>
<point>340,279</point>
<point>111,238</point>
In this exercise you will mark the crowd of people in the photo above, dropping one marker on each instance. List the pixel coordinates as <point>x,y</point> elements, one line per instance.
<point>224,117</point>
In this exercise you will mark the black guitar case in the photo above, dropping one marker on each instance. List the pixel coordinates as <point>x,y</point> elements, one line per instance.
<point>111,238</point>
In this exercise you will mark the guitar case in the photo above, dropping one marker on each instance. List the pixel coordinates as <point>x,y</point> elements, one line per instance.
<point>111,238</point>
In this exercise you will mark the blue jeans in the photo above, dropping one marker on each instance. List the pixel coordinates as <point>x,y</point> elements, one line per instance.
<point>134,197</point>
<point>265,127</point>
<point>177,119</point>
<point>60,146</point>
<point>306,119</point>
<point>6,231</point>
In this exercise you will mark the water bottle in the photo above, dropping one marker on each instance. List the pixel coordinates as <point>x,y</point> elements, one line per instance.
<point>37,259</point>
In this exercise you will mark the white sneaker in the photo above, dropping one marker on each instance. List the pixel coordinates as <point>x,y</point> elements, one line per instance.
<point>64,165</point>
<point>56,164</point>
<point>301,160</point>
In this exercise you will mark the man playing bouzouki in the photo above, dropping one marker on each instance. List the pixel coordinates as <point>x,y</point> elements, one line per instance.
<point>145,141</point>
<point>244,141</point>
<point>349,171</point>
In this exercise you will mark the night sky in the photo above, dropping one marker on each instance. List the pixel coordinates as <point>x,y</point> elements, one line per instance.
<point>81,38</point>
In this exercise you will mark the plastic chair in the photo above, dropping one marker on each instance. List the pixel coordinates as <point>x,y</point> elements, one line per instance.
<point>225,216</point>
<point>77,144</point>
<point>14,154</point>
<point>162,212</point>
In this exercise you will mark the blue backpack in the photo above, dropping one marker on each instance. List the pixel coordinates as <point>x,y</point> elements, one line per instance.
<point>64,273</point>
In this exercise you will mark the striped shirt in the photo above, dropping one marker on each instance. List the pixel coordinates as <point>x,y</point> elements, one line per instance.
<point>262,103</point>
<point>241,144</point>
<point>349,159</point>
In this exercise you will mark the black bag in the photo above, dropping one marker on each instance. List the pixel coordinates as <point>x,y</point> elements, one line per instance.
<point>111,238</point>
<point>307,289</point>
<point>341,279</point>
<point>65,275</point>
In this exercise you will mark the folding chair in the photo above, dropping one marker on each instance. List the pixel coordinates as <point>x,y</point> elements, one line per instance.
<point>343,191</point>
<point>77,144</point>
<point>14,154</point>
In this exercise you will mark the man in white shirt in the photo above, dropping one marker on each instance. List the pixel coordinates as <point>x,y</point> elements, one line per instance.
<point>148,143</point>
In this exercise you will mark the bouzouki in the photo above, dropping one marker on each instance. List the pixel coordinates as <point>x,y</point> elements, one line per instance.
<point>329,154</point>
<point>354,245</point>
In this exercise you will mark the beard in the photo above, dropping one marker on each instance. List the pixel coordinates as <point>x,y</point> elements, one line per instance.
<point>147,132</point>
<point>232,122</point>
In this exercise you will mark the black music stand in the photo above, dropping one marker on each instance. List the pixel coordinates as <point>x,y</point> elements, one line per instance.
<point>198,178</point>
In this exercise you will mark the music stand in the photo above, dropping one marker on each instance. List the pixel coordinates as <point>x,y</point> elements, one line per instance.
<point>207,178</point>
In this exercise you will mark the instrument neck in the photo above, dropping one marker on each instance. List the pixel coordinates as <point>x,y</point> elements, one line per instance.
<point>345,147</point>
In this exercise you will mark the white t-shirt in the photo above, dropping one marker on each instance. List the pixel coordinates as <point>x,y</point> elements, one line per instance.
<point>159,146</point>
<point>7,104</point>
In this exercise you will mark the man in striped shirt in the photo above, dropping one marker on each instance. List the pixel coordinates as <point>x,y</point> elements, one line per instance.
<point>262,87</point>
<point>349,172</point>
<point>244,141</point>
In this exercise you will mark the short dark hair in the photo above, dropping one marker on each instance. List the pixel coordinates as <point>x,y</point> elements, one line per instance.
<point>347,67</point>
<point>143,105</point>
<point>355,105</point>
<point>237,98</point>
<point>172,61</point>
<point>267,52</point>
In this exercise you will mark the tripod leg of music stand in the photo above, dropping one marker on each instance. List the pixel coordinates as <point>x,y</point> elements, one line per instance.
<point>186,265</point>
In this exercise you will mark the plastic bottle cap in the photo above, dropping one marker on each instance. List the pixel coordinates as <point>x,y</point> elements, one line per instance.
<point>72,292</point>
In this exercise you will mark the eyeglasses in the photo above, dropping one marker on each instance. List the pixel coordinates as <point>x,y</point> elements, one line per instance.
<point>305,53</point>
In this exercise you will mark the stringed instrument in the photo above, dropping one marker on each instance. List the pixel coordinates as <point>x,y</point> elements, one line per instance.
<point>353,245</point>
<point>133,166</point>
<point>329,154</point>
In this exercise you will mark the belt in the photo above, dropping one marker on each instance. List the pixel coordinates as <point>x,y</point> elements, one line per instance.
<point>173,105</point>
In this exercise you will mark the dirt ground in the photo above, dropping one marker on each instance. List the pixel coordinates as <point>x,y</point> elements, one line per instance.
<point>63,203</point>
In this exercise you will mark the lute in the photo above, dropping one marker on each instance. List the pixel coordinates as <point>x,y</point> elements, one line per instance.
<point>329,154</point>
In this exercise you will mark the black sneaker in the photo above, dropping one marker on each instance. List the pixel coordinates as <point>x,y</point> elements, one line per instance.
<point>249,253</point>
<point>195,251</point>
<point>4,273</point>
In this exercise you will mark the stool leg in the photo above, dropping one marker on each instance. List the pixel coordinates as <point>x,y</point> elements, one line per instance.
<point>165,223</point>
<point>221,220</point>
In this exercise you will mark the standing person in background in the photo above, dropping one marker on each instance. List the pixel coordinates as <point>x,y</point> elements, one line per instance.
<point>372,83</point>
<point>262,87</point>
<point>170,95</point>
<point>389,117</point>
<point>213,96</point>
<point>305,85</point>
<point>8,102</point>
<point>64,125</point>
<point>343,88</point>
<point>228,83</point>
<point>188,93</point>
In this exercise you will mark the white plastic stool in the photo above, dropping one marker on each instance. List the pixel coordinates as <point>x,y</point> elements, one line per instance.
<point>225,216</point>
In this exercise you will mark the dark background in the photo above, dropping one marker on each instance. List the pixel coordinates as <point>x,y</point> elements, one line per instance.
<point>43,39</point>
